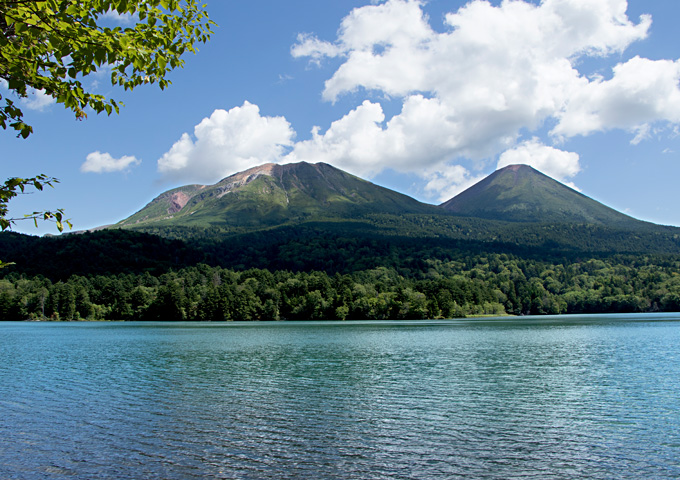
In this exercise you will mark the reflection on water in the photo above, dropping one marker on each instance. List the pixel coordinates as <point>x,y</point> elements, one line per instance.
<point>550,398</point>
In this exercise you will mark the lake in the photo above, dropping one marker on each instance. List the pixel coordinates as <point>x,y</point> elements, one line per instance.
<point>589,397</point>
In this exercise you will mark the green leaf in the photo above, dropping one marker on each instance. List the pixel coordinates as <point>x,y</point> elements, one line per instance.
<point>53,42</point>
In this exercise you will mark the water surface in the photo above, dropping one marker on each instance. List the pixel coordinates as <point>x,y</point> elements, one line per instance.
<point>545,398</point>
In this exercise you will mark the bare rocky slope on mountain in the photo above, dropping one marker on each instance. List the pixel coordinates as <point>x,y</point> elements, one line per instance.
<point>271,207</point>
<point>274,194</point>
<point>304,217</point>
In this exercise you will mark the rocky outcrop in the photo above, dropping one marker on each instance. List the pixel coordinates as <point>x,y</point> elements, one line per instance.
<point>177,202</point>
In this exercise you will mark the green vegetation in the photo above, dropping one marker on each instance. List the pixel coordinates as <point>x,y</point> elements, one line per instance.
<point>518,193</point>
<point>489,284</point>
<point>51,45</point>
<point>15,186</point>
<point>272,195</point>
<point>314,273</point>
<point>98,253</point>
<point>312,242</point>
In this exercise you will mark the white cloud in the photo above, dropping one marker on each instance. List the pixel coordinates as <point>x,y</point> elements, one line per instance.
<point>37,100</point>
<point>122,19</point>
<point>392,48</point>
<point>451,181</point>
<point>642,132</point>
<point>555,163</point>
<point>34,100</point>
<point>470,90</point>
<point>641,91</point>
<point>351,143</point>
<point>98,162</point>
<point>312,47</point>
<point>421,139</point>
<point>386,49</point>
<point>225,143</point>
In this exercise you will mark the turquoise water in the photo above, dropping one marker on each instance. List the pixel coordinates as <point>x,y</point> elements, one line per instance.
<point>544,398</point>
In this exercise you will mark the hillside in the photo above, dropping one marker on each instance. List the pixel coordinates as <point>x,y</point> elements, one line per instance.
<point>304,217</point>
<point>269,214</point>
<point>312,242</point>
<point>271,195</point>
<point>519,193</point>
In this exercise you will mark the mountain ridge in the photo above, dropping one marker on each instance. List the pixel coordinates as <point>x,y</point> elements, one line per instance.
<point>335,222</point>
<point>273,194</point>
<point>520,193</point>
<point>282,204</point>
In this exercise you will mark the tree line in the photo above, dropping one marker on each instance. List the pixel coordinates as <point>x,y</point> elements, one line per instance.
<point>487,284</point>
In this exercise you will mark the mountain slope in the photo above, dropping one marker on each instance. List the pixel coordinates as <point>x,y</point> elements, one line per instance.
<point>273,210</point>
<point>304,217</point>
<point>273,195</point>
<point>519,193</point>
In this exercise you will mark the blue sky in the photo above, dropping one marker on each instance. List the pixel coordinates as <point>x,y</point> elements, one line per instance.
<point>425,97</point>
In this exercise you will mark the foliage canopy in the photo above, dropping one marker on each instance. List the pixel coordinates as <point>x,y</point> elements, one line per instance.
<point>126,275</point>
<point>13,187</point>
<point>51,45</point>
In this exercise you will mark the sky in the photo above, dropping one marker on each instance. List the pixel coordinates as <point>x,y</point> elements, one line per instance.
<point>424,97</point>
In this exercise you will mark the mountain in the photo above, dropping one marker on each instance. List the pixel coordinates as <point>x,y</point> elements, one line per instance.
<point>271,195</point>
<point>304,217</point>
<point>519,193</point>
<point>273,208</point>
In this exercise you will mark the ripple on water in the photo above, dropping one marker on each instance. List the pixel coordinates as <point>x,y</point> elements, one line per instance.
<point>354,401</point>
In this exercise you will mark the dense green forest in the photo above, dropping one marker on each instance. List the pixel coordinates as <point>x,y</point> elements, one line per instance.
<point>484,284</point>
<point>386,268</point>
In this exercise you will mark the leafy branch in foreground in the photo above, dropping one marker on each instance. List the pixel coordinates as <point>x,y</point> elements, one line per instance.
<point>16,186</point>
<point>51,45</point>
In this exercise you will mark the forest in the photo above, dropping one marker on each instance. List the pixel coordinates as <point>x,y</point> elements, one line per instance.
<point>493,284</point>
<point>338,248</point>
<point>317,271</point>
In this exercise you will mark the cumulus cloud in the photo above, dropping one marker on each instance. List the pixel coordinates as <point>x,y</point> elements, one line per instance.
<point>422,138</point>
<point>555,163</point>
<point>385,46</point>
<point>641,92</point>
<point>97,162</point>
<point>449,182</point>
<point>392,48</point>
<point>469,92</point>
<point>310,46</point>
<point>227,142</point>
<point>351,143</point>
<point>37,100</point>
<point>494,72</point>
